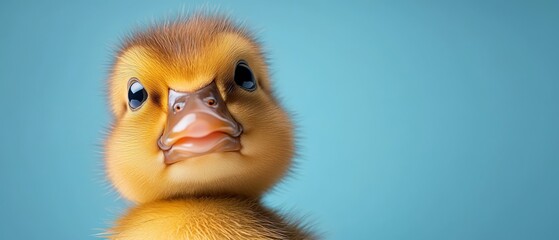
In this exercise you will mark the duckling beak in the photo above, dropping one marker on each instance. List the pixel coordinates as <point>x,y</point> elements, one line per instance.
<point>198,123</point>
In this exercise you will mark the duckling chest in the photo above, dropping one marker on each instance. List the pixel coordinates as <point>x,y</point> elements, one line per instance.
<point>203,219</point>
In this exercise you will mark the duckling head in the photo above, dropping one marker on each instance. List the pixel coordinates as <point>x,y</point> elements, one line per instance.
<point>194,114</point>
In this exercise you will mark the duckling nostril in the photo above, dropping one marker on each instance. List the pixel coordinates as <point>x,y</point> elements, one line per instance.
<point>177,107</point>
<point>211,102</point>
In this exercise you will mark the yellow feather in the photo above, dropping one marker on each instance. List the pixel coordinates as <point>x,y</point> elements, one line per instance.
<point>185,55</point>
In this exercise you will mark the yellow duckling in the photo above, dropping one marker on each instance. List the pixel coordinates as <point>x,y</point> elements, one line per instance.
<point>198,136</point>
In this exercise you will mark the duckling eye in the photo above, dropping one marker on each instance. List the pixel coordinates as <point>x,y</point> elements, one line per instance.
<point>244,77</point>
<point>137,94</point>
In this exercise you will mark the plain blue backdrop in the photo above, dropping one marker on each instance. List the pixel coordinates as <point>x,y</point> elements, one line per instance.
<point>417,119</point>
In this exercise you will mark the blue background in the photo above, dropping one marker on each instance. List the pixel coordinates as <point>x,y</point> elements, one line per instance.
<point>418,119</point>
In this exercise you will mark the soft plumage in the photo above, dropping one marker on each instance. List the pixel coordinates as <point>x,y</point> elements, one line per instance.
<point>198,195</point>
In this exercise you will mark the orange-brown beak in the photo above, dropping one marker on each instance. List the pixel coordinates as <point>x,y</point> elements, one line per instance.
<point>198,123</point>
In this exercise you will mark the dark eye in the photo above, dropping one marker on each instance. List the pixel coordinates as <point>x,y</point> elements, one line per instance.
<point>137,94</point>
<point>244,77</point>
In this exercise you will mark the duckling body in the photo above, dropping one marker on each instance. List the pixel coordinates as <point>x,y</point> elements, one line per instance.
<point>205,218</point>
<point>197,136</point>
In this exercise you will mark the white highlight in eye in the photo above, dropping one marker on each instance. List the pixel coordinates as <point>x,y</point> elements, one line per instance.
<point>136,86</point>
<point>184,122</point>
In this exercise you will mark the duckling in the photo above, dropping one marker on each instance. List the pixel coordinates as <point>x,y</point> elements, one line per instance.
<point>197,136</point>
